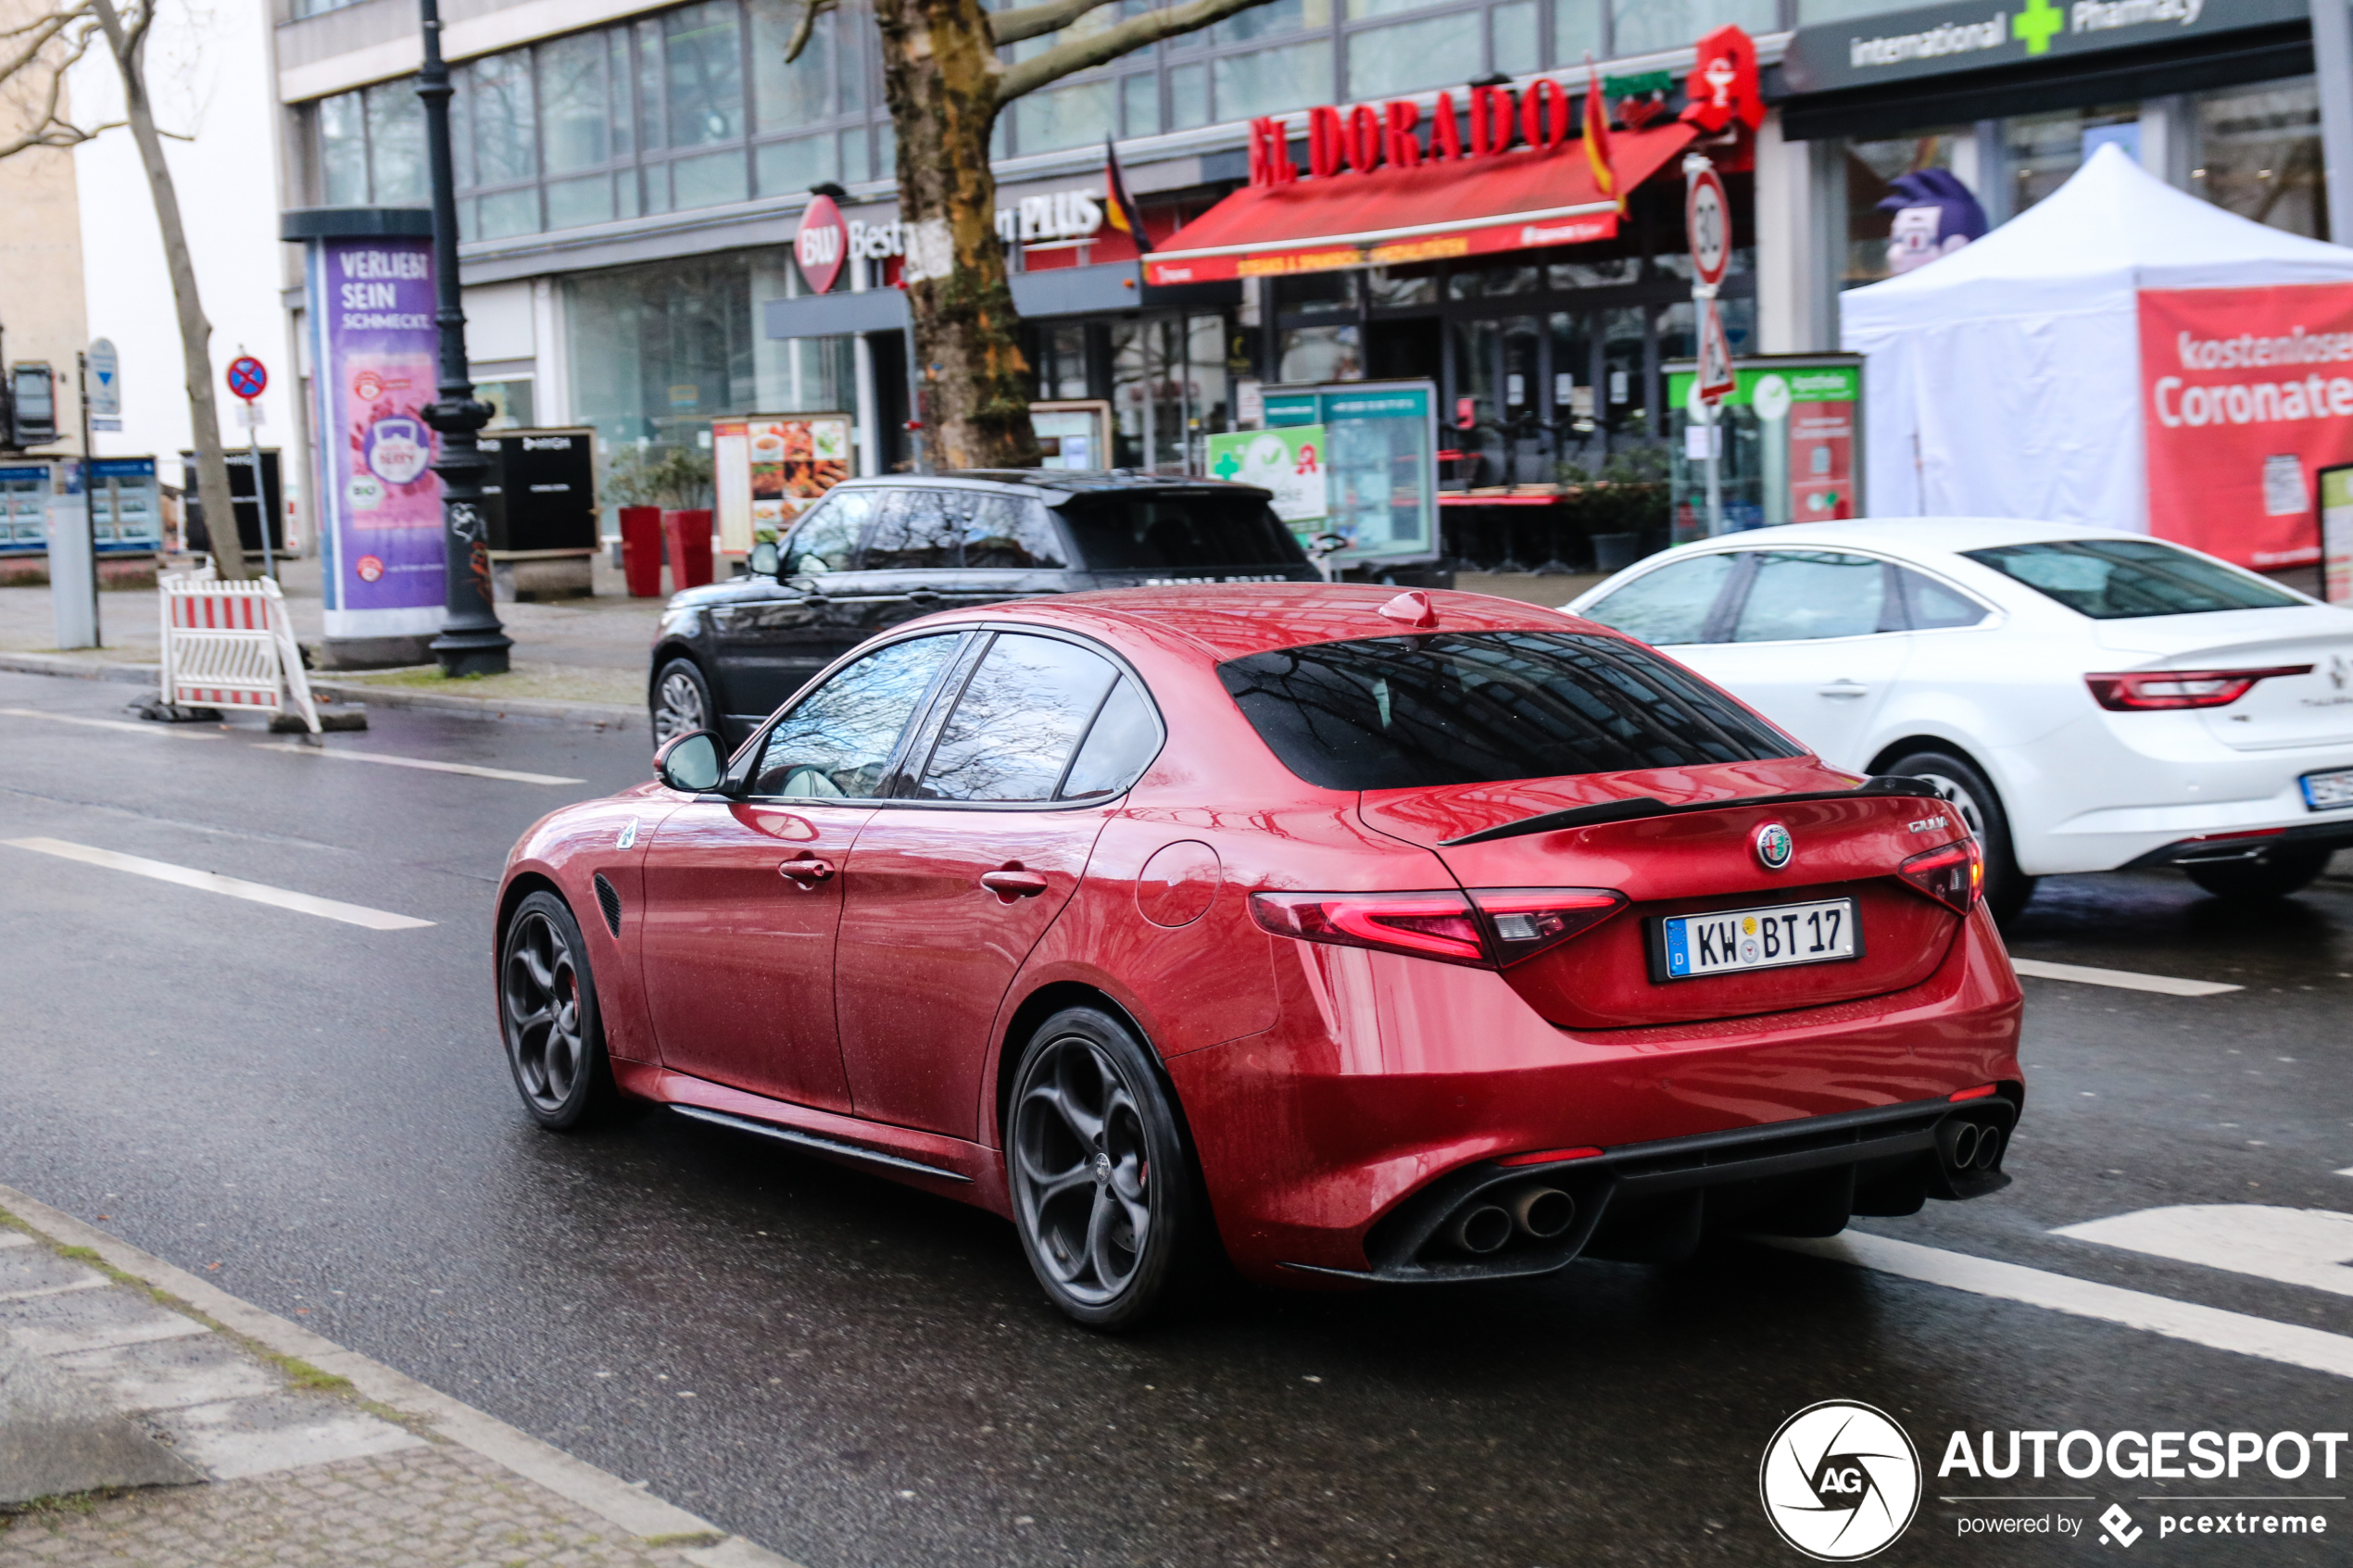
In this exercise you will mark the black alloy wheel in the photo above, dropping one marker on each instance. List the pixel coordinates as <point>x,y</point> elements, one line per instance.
<point>2274,874</point>
<point>682,701</point>
<point>1102,1186</point>
<point>548,1013</point>
<point>1973,799</point>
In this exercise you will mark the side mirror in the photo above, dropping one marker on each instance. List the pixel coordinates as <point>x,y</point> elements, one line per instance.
<point>765,559</point>
<point>691,763</point>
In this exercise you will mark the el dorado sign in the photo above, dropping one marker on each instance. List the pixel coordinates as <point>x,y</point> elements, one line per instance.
<point>1489,170</point>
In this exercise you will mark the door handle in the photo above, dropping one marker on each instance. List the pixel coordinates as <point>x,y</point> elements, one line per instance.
<point>1013,882</point>
<point>807,873</point>
<point>1846,688</point>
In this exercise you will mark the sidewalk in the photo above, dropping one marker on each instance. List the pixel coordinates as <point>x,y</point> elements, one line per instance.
<point>569,653</point>
<point>250,1440</point>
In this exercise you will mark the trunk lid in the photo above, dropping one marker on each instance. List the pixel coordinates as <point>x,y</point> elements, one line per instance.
<point>1694,861</point>
<point>2282,711</point>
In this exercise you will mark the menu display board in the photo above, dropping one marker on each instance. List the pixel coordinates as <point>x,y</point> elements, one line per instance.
<point>767,467</point>
<point>1380,456</point>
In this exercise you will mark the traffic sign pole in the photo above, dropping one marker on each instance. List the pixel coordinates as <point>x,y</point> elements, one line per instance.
<point>1708,224</point>
<point>247,377</point>
<point>89,495</point>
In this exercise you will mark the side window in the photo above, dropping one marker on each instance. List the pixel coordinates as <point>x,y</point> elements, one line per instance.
<point>915,533</point>
<point>1669,605</point>
<point>1010,533</point>
<point>1119,746</point>
<point>1933,605</point>
<point>1018,722</point>
<point>1800,594</point>
<point>826,539</point>
<point>838,739</point>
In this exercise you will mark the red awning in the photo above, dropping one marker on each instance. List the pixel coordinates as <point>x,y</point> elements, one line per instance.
<point>1519,200</point>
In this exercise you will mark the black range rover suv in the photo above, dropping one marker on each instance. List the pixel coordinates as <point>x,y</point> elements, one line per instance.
<point>876,552</point>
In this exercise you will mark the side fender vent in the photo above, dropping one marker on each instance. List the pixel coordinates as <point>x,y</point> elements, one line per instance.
<point>609,901</point>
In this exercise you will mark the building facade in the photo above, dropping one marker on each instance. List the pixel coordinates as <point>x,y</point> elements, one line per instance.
<point>632,178</point>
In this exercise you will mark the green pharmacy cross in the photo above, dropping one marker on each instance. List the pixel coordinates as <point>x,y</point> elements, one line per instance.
<point>2038,23</point>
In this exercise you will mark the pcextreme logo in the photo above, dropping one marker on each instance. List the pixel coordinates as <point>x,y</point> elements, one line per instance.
<point>1840,1481</point>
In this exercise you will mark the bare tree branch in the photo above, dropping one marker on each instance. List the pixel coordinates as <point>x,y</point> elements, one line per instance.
<point>803,31</point>
<point>45,49</point>
<point>1036,21</point>
<point>1083,54</point>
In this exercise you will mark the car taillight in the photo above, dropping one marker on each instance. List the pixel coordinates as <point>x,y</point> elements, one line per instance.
<point>1524,921</point>
<point>1494,927</point>
<point>1428,925</point>
<point>1953,875</point>
<point>2143,690</point>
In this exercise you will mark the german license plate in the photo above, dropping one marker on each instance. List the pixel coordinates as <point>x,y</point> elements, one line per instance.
<point>1729,941</point>
<point>2330,791</point>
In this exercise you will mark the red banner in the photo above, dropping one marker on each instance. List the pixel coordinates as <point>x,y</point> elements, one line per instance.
<point>2247,395</point>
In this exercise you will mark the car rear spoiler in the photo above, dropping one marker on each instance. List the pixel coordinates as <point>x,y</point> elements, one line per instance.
<point>1651,806</point>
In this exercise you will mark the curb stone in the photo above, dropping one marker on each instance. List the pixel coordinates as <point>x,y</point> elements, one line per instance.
<point>651,1520</point>
<point>596,715</point>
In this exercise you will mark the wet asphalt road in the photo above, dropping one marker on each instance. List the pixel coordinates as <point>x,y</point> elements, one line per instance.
<point>317,1117</point>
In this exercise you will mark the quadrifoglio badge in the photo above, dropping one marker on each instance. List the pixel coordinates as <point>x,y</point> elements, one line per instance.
<point>1840,1481</point>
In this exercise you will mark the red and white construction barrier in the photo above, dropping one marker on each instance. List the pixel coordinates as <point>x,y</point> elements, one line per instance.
<point>229,645</point>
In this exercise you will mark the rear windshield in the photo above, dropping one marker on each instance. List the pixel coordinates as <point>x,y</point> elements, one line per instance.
<point>2124,579</point>
<point>1484,708</point>
<point>1147,532</point>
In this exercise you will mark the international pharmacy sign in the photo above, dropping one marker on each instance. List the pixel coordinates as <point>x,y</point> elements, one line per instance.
<point>1935,40</point>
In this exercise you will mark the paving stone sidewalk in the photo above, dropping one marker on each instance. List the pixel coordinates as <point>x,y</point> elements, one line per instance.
<point>297,1453</point>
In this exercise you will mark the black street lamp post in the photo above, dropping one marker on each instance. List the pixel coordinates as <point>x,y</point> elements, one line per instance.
<point>471,640</point>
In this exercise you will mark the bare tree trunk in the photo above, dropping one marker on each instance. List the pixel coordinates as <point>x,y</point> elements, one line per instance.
<point>128,49</point>
<point>939,76</point>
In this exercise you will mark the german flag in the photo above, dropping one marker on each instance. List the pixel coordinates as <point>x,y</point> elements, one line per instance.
<point>1597,151</point>
<point>1119,208</point>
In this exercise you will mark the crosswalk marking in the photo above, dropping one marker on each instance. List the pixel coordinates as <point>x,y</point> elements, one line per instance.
<point>212,882</point>
<point>2123,979</point>
<point>136,726</point>
<point>2315,1349</point>
<point>390,761</point>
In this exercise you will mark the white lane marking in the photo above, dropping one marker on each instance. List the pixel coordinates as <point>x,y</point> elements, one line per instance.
<point>2346,1172</point>
<point>391,761</point>
<point>2307,1246</point>
<point>212,882</point>
<point>2292,1344</point>
<point>137,727</point>
<point>2123,979</point>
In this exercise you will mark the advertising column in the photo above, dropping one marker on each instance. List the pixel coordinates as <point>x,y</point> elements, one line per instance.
<point>374,345</point>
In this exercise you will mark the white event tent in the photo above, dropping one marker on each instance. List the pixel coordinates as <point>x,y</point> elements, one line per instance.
<point>2003,380</point>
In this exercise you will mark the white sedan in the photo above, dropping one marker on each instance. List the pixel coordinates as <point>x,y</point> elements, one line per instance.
<point>2087,699</point>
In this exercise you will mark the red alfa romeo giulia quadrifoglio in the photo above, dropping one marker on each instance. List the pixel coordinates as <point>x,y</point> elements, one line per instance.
<point>1373,936</point>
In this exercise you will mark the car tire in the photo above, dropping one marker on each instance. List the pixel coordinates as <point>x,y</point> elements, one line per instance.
<point>1973,797</point>
<point>1094,1154</point>
<point>550,1020</point>
<point>2275,873</point>
<point>682,701</point>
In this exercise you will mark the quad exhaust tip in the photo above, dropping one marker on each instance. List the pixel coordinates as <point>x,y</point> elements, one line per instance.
<point>1969,1146</point>
<point>1544,1212</point>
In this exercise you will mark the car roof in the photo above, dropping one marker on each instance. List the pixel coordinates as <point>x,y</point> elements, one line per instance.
<point>1928,535</point>
<point>1233,621</point>
<point>1072,483</point>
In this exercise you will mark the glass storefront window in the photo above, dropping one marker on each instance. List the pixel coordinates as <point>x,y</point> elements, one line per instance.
<point>1063,117</point>
<point>577,103</point>
<point>2257,152</point>
<point>1316,293</point>
<point>342,150</point>
<point>1267,22</point>
<point>1321,354</point>
<point>2041,151</point>
<point>1576,31</point>
<point>1641,25</point>
<point>790,168</point>
<point>1384,62</point>
<point>703,53</point>
<point>396,145</point>
<point>1139,106</point>
<point>1397,289</point>
<point>1061,361</point>
<point>1270,81</point>
<point>657,351</point>
<point>497,146</point>
<point>1515,32</point>
<point>785,95</point>
<point>1870,169</point>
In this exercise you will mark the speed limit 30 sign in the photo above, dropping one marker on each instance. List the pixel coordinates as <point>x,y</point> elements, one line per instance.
<point>1707,219</point>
